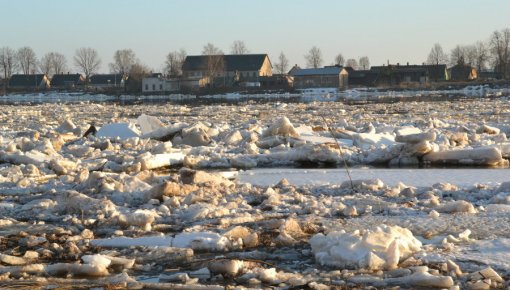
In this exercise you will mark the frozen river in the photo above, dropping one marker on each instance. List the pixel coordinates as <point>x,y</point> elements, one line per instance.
<point>414,177</point>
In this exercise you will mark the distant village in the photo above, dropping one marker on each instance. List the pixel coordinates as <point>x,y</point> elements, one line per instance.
<point>241,71</point>
<point>255,72</point>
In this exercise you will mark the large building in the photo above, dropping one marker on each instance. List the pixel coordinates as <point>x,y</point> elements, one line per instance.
<point>225,70</point>
<point>34,81</point>
<point>156,83</point>
<point>67,81</point>
<point>462,72</point>
<point>105,81</point>
<point>326,77</point>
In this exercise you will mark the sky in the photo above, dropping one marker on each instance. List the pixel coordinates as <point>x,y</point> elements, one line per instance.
<point>398,31</point>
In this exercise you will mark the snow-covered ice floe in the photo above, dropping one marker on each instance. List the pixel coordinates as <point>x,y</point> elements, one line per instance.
<point>174,196</point>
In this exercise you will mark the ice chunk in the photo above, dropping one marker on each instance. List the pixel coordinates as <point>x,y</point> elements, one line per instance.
<point>478,156</point>
<point>148,124</point>
<point>456,206</point>
<point>193,136</point>
<point>229,268</point>
<point>66,126</point>
<point>12,260</point>
<point>120,130</point>
<point>195,240</point>
<point>87,270</point>
<point>150,161</point>
<point>353,250</point>
<point>416,138</point>
<point>99,260</point>
<point>165,133</point>
<point>367,140</point>
<point>489,130</point>
<point>421,278</point>
<point>281,127</point>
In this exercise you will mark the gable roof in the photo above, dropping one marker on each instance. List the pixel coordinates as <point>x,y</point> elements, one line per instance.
<point>30,81</point>
<point>461,72</point>
<point>106,79</point>
<point>233,62</point>
<point>66,79</point>
<point>434,71</point>
<point>335,70</point>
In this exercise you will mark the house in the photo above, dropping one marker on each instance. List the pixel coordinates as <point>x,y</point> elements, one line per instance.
<point>391,75</point>
<point>204,70</point>
<point>104,81</point>
<point>156,83</point>
<point>361,78</point>
<point>490,75</point>
<point>67,80</point>
<point>436,72</point>
<point>33,81</point>
<point>326,77</point>
<point>293,69</point>
<point>462,72</point>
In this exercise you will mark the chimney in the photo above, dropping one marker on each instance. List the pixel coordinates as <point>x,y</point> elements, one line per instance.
<point>398,64</point>
<point>407,63</point>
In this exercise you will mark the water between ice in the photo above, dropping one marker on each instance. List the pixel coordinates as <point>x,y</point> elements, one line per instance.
<point>413,177</point>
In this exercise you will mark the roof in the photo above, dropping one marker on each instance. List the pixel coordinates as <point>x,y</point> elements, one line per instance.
<point>434,71</point>
<point>26,80</point>
<point>318,71</point>
<point>105,79</point>
<point>66,79</point>
<point>460,71</point>
<point>400,68</point>
<point>233,62</point>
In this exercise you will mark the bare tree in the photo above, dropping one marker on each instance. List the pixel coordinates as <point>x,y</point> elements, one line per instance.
<point>174,61</point>
<point>351,62</point>
<point>215,61</point>
<point>210,49</point>
<point>87,60</point>
<point>470,54</point>
<point>481,54</point>
<point>339,59</point>
<point>53,63</point>
<point>7,63</point>
<point>364,62</point>
<point>238,47</point>
<point>314,57</point>
<point>123,60</point>
<point>137,72</point>
<point>45,62</point>
<point>500,48</point>
<point>282,65</point>
<point>26,59</point>
<point>59,63</point>
<point>437,55</point>
<point>458,55</point>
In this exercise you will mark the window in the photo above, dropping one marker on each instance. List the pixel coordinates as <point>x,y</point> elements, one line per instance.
<point>160,87</point>
<point>146,87</point>
<point>153,87</point>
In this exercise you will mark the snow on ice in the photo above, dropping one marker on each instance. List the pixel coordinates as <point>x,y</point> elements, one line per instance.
<point>182,195</point>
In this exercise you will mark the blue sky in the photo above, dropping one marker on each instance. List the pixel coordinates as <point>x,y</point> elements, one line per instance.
<point>395,30</point>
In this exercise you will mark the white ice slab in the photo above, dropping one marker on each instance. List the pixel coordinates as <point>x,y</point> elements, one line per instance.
<point>121,130</point>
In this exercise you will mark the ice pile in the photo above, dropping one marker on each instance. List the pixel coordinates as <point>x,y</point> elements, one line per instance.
<point>381,248</point>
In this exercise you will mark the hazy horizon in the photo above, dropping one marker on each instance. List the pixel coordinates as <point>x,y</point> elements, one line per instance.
<point>397,31</point>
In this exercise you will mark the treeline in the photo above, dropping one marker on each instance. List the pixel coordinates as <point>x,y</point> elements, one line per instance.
<point>87,61</point>
<point>492,54</point>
